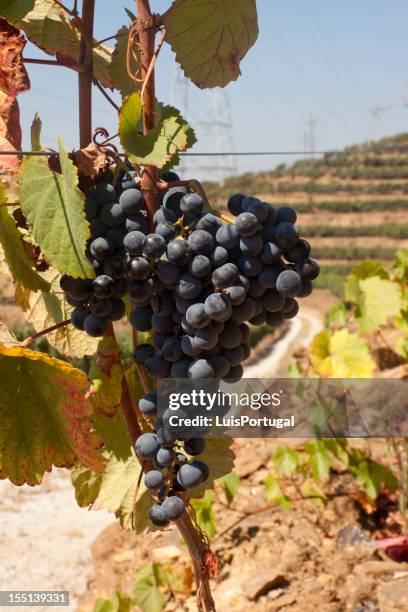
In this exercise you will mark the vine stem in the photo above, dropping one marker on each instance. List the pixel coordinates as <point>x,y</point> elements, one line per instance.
<point>44,332</point>
<point>85,79</point>
<point>201,556</point>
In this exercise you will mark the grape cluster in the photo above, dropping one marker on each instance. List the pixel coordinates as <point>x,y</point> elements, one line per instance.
<point>112,212</point>
<point>195,282</point>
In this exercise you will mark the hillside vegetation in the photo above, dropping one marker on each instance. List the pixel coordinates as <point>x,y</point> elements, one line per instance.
<point>353,203</point>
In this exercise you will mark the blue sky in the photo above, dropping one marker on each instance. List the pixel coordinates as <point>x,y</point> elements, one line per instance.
<point>337,60</point>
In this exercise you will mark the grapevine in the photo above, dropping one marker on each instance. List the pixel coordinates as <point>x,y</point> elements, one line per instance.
<point>118,236</point>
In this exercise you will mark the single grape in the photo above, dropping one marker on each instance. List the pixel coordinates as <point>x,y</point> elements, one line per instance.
<point>220,365</point>
<point>235,204</point>
<point>273,301</point>
<point>199,266</point>
<point>164,214</point>
<point>158,366</point>
<point>133,243</point>
<point>136,223</point>
<point>271,253</point>
<point>131,201</point>
<point>178,252</point>
<point>112,215</point>
<point>131,180</point>
<point>101,308</point>
<point>98,228</point>
<point>218,307</point>
<point>188,286</point>
<point>102,249</point>
<point>236,294</point>
<point>256,290</point>
<point>210,223</point>
<point>166,437</point>
<point>269,276</point>
<point>141,318</point>
<point>189,476</point>
<point>189,346</point>
<point>183,305</point>
<point>157,517</point>
<point>115,268</point>
<point>274,319</point>
<point>200,242</point>
<point>95,326</point>
<point>301,250</point>
<point>103,286</point>
<point>235,374</point>
<point>168,273</point>
<point>179,369</point>
<point>246,224</point>
<point>138,268</point>
<point>227,236</point>
<point>258,319</point>
<point>78,288</point>
<point>172,349</point>
<point>142,352</point>
<point>140,290</point>
<point>285,214</point>
<point>308,269</point>
<point>250,266</point>
<point>231,336</point>
<point>289,283</point>
<point>162,325</point>
<point>165,457</point>
<point>173,507</point>
<point>154,246</point>
<point>103,194</point>
<point>201,368</point>
<point>306,290</point>
<point>219,256</point>
<point>172,199</point>
<point>245,311</point>
<point>78,316</point>
<point>147,445</point>
<point>148,404</point>
<point>225,276</point>
<point>257,208</point>
<point>196,316</point>
<point>292,312</point>
<point>116,235</point>
<point>203,467</point>
<point>167,230</point>
<point>153,479</point>
<point>286,235</point>
<point>251,245</point>
<point>168,176</point>
<point>206,338</point>
<point>192,203</point>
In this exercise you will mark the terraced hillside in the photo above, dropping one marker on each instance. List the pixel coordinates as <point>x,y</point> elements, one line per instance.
<point>353,203</point>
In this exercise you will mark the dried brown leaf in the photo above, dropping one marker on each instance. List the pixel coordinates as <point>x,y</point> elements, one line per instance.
<point>90,161</point>
<point>10,133</point>
<point>13,75</point>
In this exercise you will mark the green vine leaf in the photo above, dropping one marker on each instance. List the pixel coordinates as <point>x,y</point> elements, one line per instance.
<point>379,300</point>
<point>54,207</point>
<point>20,266</point>
<point>45,419</point>
<point>118,68</point>
<point>205,513</point>
<point>286,460</point>
<point>48,26</point>
<point>273,492</point>
<point>230,485</point>
<point>47,309</point>
<point>341,355</point>
<point>210,38</point>
<point>146,591</point>
<point>219,457</point>
<point>162,145</point>
<point>13,10</point>
<point>118,489</point>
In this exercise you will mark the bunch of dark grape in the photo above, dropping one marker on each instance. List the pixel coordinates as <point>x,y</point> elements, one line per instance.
<point>112,213</point>
<point>195,282</point>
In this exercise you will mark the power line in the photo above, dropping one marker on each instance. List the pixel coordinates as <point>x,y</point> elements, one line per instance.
<point>206,154</point>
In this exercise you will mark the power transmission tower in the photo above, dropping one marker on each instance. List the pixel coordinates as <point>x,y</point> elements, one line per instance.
<point>216,130</point>
<point>310,134</point>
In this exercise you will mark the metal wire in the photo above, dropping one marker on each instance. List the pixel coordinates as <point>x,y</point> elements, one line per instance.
<point>206,154</point>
